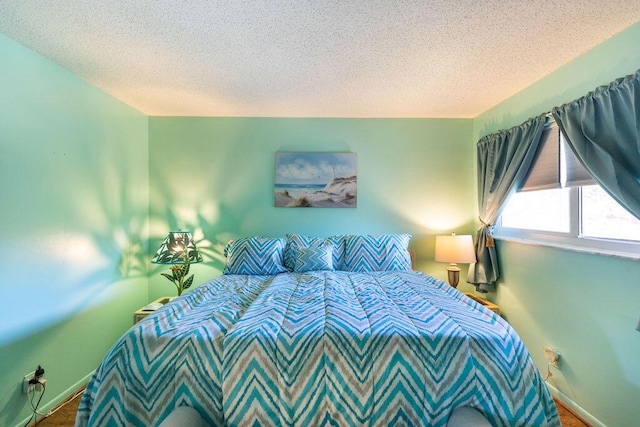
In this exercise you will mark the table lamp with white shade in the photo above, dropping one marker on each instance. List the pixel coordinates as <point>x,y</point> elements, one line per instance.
<point>454,249</point>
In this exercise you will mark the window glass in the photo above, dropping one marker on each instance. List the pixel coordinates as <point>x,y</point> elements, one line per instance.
<point>545,210</point>
<point>603,217</point>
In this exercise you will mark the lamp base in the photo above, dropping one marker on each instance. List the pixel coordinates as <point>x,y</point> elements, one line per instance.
<point>453,274</point>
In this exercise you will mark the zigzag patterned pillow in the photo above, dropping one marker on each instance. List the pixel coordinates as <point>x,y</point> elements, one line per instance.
<point>255,255</point>
<point>312,258</point>
<point>384,252</point>
<point>302,241</point>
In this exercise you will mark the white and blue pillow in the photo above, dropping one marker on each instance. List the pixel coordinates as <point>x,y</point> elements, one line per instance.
<point>255,256</point>
<point>299,253</point>
<point>301,241</point>
<point>312,258</point>
<point>383,252</point>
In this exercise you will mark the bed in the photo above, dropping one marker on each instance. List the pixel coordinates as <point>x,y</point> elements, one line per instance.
<point>370,343</point>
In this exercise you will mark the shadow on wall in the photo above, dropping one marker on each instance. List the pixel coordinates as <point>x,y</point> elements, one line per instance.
<point>215,178</point>
<point>209,241</point>
<point>78,340</point>
<point>73,264</point>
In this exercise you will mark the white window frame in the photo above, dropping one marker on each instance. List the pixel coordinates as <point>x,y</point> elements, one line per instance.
<point>573,240</point>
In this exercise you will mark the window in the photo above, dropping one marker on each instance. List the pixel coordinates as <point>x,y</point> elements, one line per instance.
<point>604,218</point>
<point>543,210</point>
<point>561,205</point>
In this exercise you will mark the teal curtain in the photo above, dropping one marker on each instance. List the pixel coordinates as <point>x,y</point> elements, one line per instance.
<point>603,130</point>
<point>504,159</point>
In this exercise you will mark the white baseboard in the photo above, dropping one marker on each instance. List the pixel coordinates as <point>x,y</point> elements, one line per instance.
<point>554,391</point>
<point>575,407</point>
<point>53,403</point>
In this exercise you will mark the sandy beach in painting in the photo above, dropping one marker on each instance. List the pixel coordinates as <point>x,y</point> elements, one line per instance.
<point>339,193</point>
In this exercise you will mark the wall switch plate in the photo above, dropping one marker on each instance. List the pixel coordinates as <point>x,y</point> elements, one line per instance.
<point>638,326</point>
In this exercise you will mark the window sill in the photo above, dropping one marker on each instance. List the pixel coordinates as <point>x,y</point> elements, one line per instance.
<point>560,243</point>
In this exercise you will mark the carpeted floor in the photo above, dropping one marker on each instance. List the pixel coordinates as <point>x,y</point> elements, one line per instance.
<point>568,418</point>
<point>65,416</point>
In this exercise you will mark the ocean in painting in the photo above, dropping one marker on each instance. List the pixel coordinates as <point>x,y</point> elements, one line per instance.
<point>299,190</point>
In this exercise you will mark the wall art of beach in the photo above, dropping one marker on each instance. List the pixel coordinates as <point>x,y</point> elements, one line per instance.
<point>316,180</point>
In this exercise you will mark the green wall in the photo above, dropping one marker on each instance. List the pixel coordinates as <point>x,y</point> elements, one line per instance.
<point>586,306</point>
<point>74,197</point>
<point>215,176</point>
<point>87,181</point>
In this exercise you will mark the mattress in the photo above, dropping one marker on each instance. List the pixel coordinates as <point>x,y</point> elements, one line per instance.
<point>319,348</point>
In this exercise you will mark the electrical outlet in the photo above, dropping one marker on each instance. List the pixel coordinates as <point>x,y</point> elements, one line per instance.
<point>37,387</point>
<point>34,381</point>
<point>552,356</point>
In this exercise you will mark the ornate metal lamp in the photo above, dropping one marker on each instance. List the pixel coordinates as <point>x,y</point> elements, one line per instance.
<point>179,250</point>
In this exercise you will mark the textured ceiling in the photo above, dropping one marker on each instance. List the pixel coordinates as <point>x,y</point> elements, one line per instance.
<point>296,58</point>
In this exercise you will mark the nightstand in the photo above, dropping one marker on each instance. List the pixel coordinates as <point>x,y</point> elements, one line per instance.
<point>140,314</point>
<point>491,306</point>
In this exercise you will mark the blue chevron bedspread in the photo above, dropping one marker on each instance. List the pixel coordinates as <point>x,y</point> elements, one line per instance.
<point>325,348</point>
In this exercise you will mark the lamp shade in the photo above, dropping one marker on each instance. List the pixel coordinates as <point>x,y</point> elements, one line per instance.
<point>177,248</point>
<point>455,249</point>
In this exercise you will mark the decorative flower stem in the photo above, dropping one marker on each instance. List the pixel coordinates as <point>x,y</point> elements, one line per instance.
<point>178,274</point>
